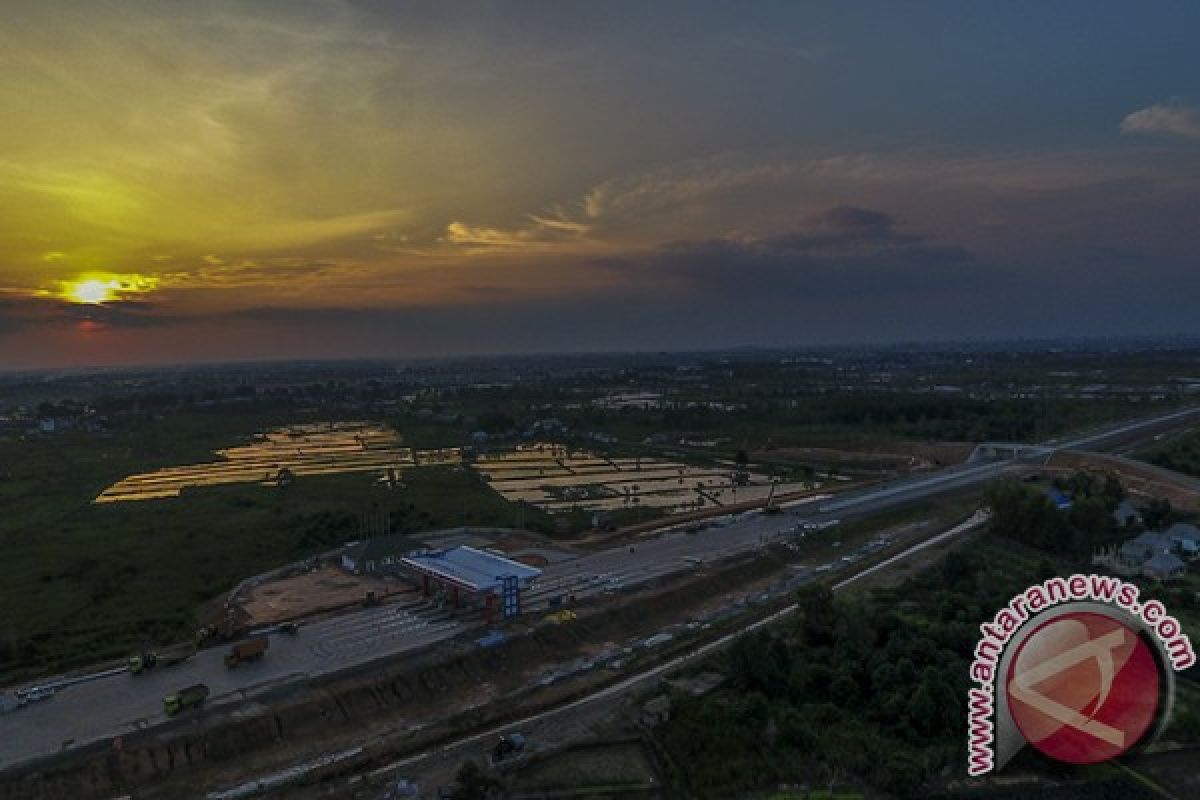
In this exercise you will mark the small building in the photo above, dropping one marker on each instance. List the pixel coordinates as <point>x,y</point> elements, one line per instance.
<point>1141,548</point>
<point>379,554</point>
<point>698,685</point>
<point>403,789</point>
<point>1126,516</point>
<point>1185,539</point>
<point>656,711</point>
<point>1164,567</point>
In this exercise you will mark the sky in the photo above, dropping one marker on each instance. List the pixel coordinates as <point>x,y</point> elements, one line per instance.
<point>214,181</point>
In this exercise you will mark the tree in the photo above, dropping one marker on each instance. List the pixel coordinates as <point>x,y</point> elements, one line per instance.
<point>759,662</point>
<point>1158,513</point>
<point>844,690</point>
<point>472,783</point>
<point>901,774</point>
<point>1026,515</point>
<point>819,614</point>
<point>1092,519</point>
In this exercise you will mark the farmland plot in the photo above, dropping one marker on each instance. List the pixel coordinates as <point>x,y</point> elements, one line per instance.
<point>555,478</point>
<point>273,457</point>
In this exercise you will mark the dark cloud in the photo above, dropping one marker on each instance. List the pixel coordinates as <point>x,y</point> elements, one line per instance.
<point>852,218</point>
<point>119,314</point>
<point>36,312</point>
<point>845,251</point>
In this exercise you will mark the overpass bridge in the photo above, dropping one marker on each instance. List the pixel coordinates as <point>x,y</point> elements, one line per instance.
<point>986,452</point>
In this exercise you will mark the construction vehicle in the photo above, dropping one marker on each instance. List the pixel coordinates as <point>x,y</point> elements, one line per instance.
<point>23,697</point>
<point>189,697</point>
<point>167,657</point>
<point>559,617</point>
<point>771,507</point>
<point>510,746</point>
<point>204,634</point>
<point>249,650</point>
<point>222,629</point>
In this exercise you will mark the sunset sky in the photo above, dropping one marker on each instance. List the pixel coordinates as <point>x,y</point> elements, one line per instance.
<point>185,181</point>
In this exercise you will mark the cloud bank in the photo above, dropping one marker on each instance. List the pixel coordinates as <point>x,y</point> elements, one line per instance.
<point>1174,118</point>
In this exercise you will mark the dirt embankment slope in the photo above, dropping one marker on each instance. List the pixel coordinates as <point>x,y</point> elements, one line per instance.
<point>1137,476</point>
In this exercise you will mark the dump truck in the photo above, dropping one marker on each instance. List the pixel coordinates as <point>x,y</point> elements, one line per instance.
<point>249,650</point>
<point>189,697</point>
<point>168,656</point>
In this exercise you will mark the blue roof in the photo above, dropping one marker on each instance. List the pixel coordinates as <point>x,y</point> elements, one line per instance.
<point>472,569</point>
<point>1060,500</point>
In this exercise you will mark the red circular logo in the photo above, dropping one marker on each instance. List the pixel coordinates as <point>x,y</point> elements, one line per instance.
<point>1083,688</point>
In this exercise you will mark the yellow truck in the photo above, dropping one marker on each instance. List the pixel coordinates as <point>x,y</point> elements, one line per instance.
<point>190,697</point>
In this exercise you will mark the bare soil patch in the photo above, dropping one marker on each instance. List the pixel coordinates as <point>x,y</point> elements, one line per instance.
<point>324,589</point>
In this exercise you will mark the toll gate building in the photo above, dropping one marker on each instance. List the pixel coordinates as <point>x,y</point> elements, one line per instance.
<point>487,579</point>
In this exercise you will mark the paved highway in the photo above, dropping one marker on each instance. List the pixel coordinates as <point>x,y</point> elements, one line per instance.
<point>122,703</point>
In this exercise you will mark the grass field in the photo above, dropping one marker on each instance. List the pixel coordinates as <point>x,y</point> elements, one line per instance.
<point>81,582</point>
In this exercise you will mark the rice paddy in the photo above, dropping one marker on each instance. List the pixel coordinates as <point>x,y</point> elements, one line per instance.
<point>549,476</point>
<point>557,479</point>
<point>278,456</point>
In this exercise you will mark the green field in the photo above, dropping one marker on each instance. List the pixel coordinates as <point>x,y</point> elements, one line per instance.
<point>80,583</point>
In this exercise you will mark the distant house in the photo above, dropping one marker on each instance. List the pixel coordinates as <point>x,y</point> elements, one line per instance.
<point>375,555</point>
<point>1141,548</point>
<point>1164,567</point>
<point>1126,516</point>
<point>1185,539</point>
<point>656,711</point>
<point>551,426</point>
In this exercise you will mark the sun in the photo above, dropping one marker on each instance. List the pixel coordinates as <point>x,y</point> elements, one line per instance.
<point>100,288</point>
<point>92,292</point>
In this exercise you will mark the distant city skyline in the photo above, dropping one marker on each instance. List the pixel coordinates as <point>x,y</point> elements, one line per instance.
<point>236,181</point>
